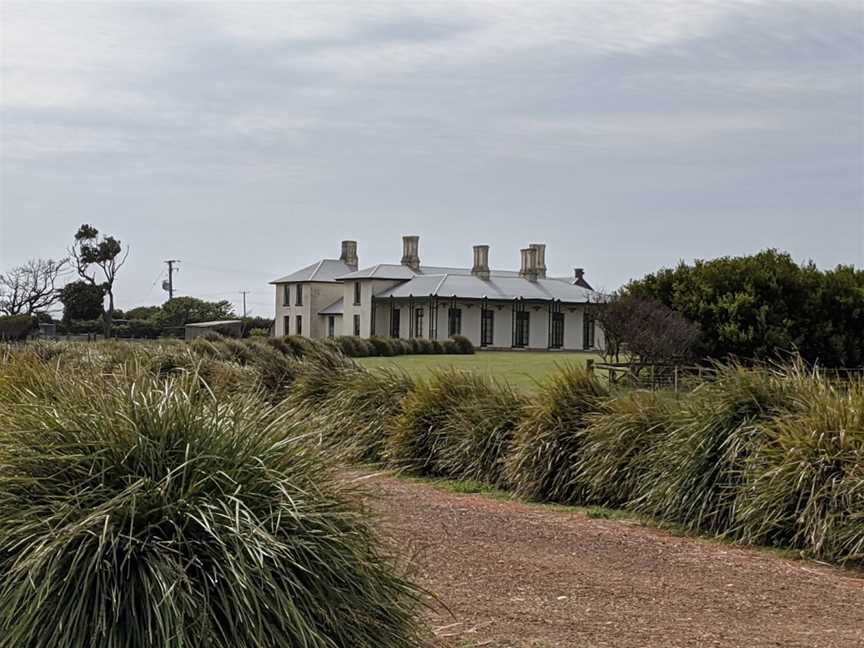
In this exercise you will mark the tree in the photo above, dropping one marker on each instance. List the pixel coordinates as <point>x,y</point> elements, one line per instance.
<point>645,329</point>
<point>188,310</point>
<point>31,287</point>
<point>82,301</point>
<point>144,313</point>
<point>93,254</point>
<point>763,306</point>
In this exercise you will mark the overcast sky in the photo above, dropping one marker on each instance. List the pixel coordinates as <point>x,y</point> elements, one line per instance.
<point>249,139</point>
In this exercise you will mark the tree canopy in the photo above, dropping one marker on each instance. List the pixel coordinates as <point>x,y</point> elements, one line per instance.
<point>759,307</point>
<point>81,301</point>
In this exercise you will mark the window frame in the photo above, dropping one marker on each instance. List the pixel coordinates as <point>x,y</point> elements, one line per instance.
<point>418,322</point>
<point>356,325</point>
<point>557,341</point>
<point>298,297</point>
<point>487,327</point>
<point>523,329</point>
<point>589,331</point>
<point>358,293</point>
<point>298,324</point>
<point>395,322</point>
<point>454,321</point>
<point>286,295</point>
<point>331,326</point>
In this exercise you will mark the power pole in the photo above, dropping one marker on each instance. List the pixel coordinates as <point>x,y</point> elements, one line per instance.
<point>171,263</point>
<point>244,292</point>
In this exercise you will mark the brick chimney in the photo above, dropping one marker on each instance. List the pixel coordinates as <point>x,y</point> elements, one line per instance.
<point>349,254</point>
<point>481,261</point>
<point>579,278</point>
<point>411,252</point>
<point>529,263</point>
<point>541,259</point>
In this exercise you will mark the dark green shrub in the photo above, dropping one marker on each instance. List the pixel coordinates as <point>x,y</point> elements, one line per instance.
<point>151,513</point>
<point>463,344</point>
<point>424,346</point>
<point>450,347</point>
<point>16,327</point>
<point>548,440</point>
<point>381,345</point>
<point>436,347</point>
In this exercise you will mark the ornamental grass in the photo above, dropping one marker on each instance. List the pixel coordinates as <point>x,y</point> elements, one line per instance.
<point>545,450</point>
<point>140,511</point>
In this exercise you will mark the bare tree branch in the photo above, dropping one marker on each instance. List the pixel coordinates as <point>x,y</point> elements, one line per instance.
<point>31,287</point>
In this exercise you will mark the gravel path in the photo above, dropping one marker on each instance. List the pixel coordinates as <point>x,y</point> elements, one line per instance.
<point>517,575</point>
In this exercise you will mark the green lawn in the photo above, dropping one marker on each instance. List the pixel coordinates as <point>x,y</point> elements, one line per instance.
<point>521,369</point>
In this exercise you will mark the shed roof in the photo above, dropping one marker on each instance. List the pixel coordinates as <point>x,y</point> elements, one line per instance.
<point>214,323</point>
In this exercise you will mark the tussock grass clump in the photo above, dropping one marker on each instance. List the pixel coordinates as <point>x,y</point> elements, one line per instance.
<point>478,433</point>
<point>358,416</point>
<point>319,376</point>
<point>806,480</point>
<point>548,440</point>
<point>614,457</point>
<point>151,513</point>
<point>419,429</point>
<point>697,468</point>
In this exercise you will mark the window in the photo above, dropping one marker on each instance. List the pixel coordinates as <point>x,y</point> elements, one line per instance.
<point>357,325</point>
<point>487,327</point>
<point>299,296</point>
<point>588,327</point>
<point>454,322</point>
<point>557,340</point>
<point>357,293</point>
<point>299,325</point>
<point>286,325</point>
<point>394,322</point>
<point>286,299</point>
<point>523,320</point>
<point>418,322</point>
<point>331,326</point>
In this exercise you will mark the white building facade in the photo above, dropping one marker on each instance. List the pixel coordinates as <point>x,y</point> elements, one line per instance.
<point>494,309</point>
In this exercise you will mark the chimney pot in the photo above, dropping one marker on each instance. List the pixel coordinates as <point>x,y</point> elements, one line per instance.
<point>481,261</point>
<point>349,254</point>
<point>411,252</point>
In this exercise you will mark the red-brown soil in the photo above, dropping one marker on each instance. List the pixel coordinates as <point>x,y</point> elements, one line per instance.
<point>519,575</point>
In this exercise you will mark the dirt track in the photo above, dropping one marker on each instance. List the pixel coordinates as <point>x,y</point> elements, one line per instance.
<point>516,575</point>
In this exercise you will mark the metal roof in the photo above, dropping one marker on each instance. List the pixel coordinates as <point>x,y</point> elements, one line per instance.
<point>496,287</point>
<point>325,270</point>
<point>398,271</point>
<point>336,308</point>
<point>214,323</point>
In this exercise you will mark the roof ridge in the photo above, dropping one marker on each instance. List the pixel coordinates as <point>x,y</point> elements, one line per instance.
<point>440,283</point>
<point>317,268</point>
